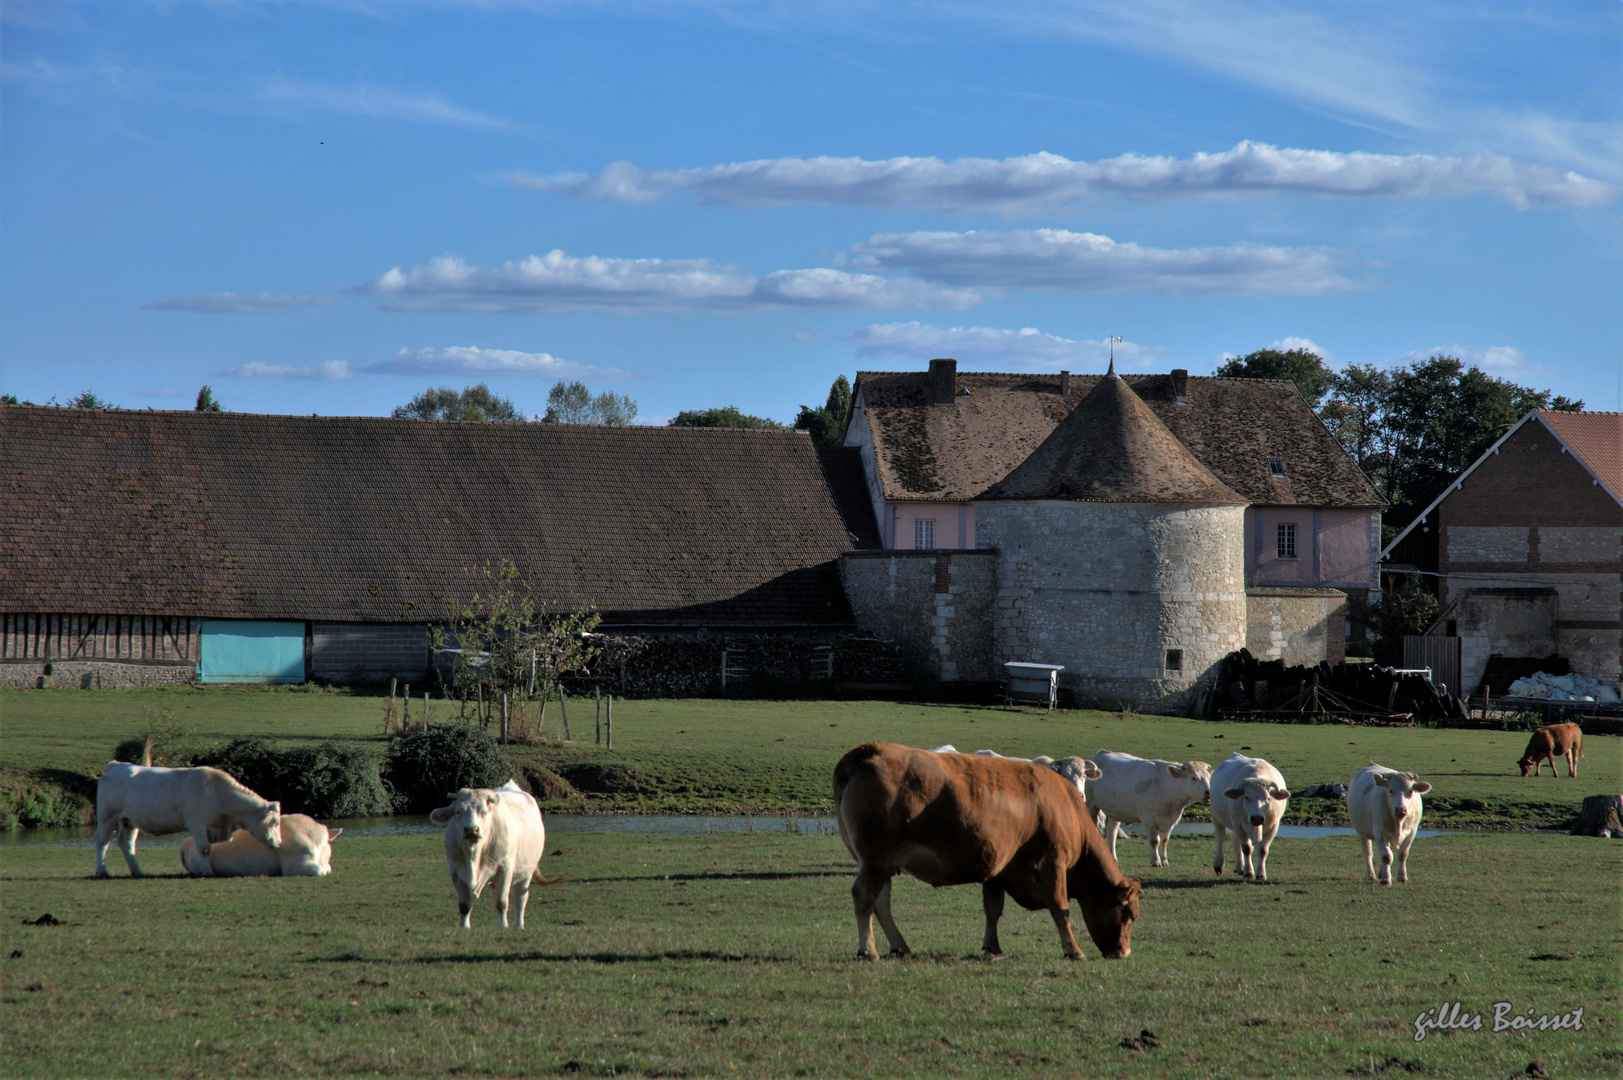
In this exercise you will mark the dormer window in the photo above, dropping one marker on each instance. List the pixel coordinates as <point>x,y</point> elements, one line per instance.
<point>1276,467</point>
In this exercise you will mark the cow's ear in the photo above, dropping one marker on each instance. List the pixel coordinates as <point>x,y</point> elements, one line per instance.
<point>1182,772</point>
<point>1279,793</point>
<point>442,815</point>
<point>333,834</point>
<point>1380,778</point>
<point>1235,793</point>
<point>276,807</point>
<point>1091,770</point>
<point>1421,788</point>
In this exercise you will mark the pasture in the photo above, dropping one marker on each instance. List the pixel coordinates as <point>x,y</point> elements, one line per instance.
<point>732,955</point>
<point>747,756</point>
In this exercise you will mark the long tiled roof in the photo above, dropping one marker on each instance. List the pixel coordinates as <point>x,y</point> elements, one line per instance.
<point>1597,439</point>
<point>362,519</point>
<point>1111,448</point>
<point>1233,427</point>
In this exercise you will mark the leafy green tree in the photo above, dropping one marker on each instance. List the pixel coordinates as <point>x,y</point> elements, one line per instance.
<point>827,424</point>
<point>471,403</point>
<point>89,400</point>
<point>9,399</point>
<point>572,403</point>
<point>1303,367</point>
<point>723,417</point>
<point>1410,608</point>
<point>205,400</point>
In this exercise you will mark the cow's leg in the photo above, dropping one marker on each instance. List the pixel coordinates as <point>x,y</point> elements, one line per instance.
<point>198,826</point>
<point>1067,940</point>
<point>502,886</point>
<point>1242,853</point>
<point>1386,859</point>
<point>1369,858</point>
<point>1111,829</point>
<point>127,835</point>
<point>881,908</point>
<point>106,831</point>
<point>864,896</point>
<point>1260,859</point>
<point>992,901</point>
<point>523,890</point>
<point>1217,859</point>
<point>464,901</point>
<point>1572,761</point>
<point>1403,857</point>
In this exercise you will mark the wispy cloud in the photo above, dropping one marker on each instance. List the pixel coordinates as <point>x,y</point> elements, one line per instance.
<point>472,360</point>
<point>557,281</point>
<point>31,71</point>
<point>232,303</point>
<point>1060,260</point>
<point>378,102</point>
<point>331,371</point>
<point>1037,182</point>
<point>1494,359</point>
<point>1026,349</point>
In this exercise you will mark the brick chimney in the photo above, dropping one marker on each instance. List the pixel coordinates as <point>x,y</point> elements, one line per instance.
<point>1064,383</point>
<point>943,381</point>
<point>1180,384</point>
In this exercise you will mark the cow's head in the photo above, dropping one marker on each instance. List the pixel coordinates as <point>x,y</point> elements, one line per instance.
<point>1075,769</point>
<point>1527,764</point>
<point>1198,775</point>
<point>469,815</point>
<point>266,826</point>
<point>1109,911</point>
<point>1256,796</point>
<point>1403,791</point>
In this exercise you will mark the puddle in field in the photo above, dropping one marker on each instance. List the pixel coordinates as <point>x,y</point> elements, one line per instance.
<point>672,825</point>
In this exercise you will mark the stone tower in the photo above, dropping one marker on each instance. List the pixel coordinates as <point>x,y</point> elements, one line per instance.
<point>1119,555</point>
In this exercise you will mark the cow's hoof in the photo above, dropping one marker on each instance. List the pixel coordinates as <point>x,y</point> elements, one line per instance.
<point>898,954</point>
<point>868,956</point>
<point>991,954</point>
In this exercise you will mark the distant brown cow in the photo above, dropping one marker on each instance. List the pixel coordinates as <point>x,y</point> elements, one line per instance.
<point>1557,740</point>
<point>1016,827</point>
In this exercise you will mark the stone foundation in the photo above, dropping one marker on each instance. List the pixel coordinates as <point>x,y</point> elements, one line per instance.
<point>92,675</point>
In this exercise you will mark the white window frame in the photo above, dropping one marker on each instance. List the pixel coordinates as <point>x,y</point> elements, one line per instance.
<point>923,533</point>
<point>1285,538</point>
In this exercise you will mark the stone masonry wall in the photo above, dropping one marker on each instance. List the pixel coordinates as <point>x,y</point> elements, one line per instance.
<point>1298,626</point>
<point>92,674</point>
<point>935,605</point>
<point>1108,589</point>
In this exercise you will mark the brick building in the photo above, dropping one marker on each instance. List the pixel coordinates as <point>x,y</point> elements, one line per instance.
<point>147,547</point>
<point>1530,547</point>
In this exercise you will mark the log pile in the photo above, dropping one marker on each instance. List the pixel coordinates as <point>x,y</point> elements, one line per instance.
<point>1365,693</point>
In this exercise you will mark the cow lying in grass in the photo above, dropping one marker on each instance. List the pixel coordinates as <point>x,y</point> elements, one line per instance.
<point>204,802</point>
<point>493,836</point>
<point>306,851</point>
<point>1385,808</point>
<point>1017,828</point>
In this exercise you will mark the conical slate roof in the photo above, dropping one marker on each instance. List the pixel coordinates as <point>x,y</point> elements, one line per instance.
<point>1112,448</point>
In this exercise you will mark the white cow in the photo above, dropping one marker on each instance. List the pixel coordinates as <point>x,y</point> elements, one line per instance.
<point>1075,769</point>
<point>1248,796</point>
<point>1154,793</point>
<point>493,835</point>
<point>1385,808</point>
<point>205,802</point>
<point>306,851</point>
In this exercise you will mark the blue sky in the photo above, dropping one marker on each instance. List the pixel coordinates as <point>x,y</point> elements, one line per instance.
<point>329,207</point>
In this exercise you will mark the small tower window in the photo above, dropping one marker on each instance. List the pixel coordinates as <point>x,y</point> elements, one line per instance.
<point>1174,660</point>
<point>1276,467</point>
<point>924,533</point>
<point>1287,540</point>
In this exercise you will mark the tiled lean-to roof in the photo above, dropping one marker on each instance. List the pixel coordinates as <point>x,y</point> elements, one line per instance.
<point>1111,448</point>
<point>363,519</point>
<point>1233,427</point>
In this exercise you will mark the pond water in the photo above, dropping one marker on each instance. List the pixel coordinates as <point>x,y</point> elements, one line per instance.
<point>560,824</point>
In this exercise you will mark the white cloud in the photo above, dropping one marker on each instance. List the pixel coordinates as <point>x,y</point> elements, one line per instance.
<point>1501,360</point>
<point>1060,260</point>
<point>1289,344</point>
<point>557,281</point>
<point>331,371</point>
<point>1026,349</point>
<point>31,71</point>
<point>472,360</point>
<point>1036,182</point>
<point>378,102</point>
<point>231,303</point>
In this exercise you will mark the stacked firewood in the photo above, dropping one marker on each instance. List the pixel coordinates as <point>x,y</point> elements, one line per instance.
<point>1247,686</point>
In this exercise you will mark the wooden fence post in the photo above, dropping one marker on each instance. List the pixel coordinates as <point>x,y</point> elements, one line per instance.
<point>608,727</point>
<point>405,715</point>
<point>563,710</point>
<point>425,712</point>
<point>597,720</point>
<point>504,718</point>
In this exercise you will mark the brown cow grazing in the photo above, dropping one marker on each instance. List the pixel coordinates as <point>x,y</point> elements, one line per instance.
<point>1016,827</point>
<point>1557,740</point>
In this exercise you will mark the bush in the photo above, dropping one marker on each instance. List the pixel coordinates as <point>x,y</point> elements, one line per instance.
<point>425,768</point>
<point>328,780</point>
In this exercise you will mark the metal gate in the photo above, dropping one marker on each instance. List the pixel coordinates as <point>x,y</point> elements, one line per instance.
<point>1441,654</point>
<point>239,651</point>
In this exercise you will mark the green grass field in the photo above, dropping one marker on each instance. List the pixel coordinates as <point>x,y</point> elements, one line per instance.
<point>732,756</point>
<point>733,955</point>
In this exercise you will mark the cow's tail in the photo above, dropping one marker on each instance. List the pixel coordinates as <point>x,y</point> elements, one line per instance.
<point>847,767</point>
<point>546,882</point>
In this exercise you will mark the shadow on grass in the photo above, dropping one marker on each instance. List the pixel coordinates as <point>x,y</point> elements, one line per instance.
<point>742,875</point>
<point>1213,882</point>
<point>707,955</point>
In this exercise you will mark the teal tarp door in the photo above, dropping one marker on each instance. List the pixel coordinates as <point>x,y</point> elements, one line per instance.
<point>236,651</point>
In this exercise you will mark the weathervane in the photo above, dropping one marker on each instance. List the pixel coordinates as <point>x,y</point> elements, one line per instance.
<point>1112,339</point>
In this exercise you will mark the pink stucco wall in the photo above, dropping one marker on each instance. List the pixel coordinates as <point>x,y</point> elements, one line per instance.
<point>950,519</point>
<point>1332,546</point>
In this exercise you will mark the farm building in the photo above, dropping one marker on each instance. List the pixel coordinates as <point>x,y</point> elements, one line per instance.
<point>1529,550</point>
<point>148,547</point>
<point>1134,529</point>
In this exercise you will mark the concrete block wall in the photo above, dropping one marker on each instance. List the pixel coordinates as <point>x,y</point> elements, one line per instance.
<point>935,605</point>
<point>1108,589</point>
<point>368,653</point>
